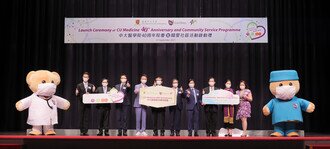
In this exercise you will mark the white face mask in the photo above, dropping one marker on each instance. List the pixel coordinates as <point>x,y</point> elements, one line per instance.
<point>143,81</point>
<point>158,82</point>
<point>211,83</point>
<point>46,89</point>
<point>228,85</point>
<point>285,92</point>
<point>175,84</point>
<point>123,80</point>
<point>104,84</point>
<point>242,87</point>
<point>191,85</point>
<point>85,79</point>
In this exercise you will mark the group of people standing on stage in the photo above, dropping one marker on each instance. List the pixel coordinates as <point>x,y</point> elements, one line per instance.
<point>194,104</point>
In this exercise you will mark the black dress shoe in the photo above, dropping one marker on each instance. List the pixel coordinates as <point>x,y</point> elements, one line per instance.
<point>213,134</point>
<point>155,133</point>
<point>196,134</point>
<point>125,133</point>
<point>99,134</point>
<point>172,133</point>
<point>84,134</point>
<point>162,134</point>
<point>189,134</point>
<point>106,133</point>
<point>177,133</point>
<point>207,134</point>
<point>119,134</point>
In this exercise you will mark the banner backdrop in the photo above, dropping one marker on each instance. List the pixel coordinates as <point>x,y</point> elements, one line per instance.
<point>166,30</point>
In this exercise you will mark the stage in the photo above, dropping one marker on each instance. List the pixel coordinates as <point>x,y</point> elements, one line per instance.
<point>21,140</point>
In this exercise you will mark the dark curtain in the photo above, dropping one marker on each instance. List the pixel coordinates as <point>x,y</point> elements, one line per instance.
<point>34,30</point>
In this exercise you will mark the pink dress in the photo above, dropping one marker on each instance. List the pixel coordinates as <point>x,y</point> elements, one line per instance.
<point>244,107</point>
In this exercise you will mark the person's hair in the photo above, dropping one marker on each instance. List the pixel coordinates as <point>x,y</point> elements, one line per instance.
<point>159,78</point>
<point>123,75</point>
<point>144,75</point>
<point>175,79</point>
<point>86,73</point>
<point>211,78</point>
<point>104,79</point>
<point>191,80</point>
<point>242,81</point>
<point>228,80</point>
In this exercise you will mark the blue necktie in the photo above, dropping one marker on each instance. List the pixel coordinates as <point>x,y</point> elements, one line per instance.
<point>194,95</point>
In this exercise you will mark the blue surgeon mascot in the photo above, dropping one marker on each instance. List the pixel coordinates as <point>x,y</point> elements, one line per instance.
<point>286,107</point>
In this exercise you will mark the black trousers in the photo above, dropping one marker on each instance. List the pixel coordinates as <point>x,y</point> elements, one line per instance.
<point>104,113</point>
<point>175,118</point>
<point>84,110</point>
<point>211,119</point>
<point>122,116</point>
<point>158,112</point>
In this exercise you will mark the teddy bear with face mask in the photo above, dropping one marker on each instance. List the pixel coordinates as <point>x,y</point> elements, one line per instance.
<point>42,103</point>
<point>286,107</point>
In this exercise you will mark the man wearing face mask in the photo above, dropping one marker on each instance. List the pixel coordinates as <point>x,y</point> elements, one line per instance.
<point>84,109</point>
<point>211,111</point>
<point>175,111</point>
<point>193,107</point>
<point>103,110</point>
<point>158,112</point>
<point>140,110</point>
<point>123,108</point>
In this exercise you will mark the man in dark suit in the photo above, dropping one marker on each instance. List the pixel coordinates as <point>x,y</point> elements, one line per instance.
<point>210,110</point>
<point>84,109</point>
<point>123,108</point>
<point>103,110</point>
<point>158,112</point>
<point>193,107</point>
<point>175,111</point>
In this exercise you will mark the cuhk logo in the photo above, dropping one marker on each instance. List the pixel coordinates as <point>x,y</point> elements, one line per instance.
<point>170,22</point>
<point>137,22</point>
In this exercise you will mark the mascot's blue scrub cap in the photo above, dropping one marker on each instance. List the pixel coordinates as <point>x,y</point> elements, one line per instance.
<point>283,75</point>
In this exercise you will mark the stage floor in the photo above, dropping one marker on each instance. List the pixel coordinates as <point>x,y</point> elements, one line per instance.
<point>68,138</point>
<point>113,132</point>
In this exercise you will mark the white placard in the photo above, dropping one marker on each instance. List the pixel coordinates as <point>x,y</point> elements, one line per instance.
<point>220,97</point>
<point>157,96</point>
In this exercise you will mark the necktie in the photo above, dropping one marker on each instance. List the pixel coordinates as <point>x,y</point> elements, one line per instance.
<point>86,87</point>
<point>194,95</point>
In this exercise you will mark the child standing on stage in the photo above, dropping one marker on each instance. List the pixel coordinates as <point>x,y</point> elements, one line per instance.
<point>228,112</point>
<point>140,110</point>
<point>244,108</point>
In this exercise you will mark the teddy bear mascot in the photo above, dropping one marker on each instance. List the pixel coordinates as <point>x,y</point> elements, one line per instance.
<point>42,103</point>
<point>286,107</point>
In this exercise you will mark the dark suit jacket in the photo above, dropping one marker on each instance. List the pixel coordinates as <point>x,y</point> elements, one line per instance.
<point>100,90</point>
<point>191,99</point>
<point>81,89</point>
<point>179,102</point>
<point>210,108</point>
<point>126,91</point>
